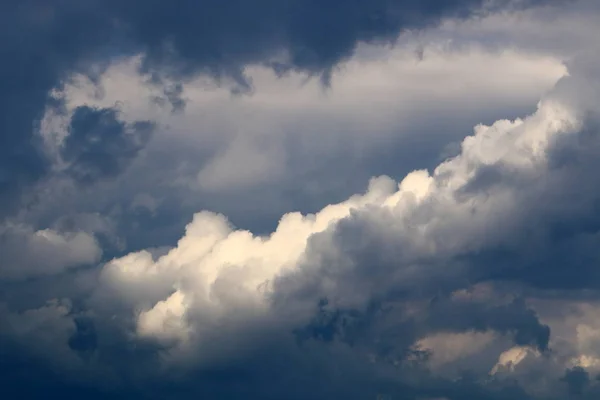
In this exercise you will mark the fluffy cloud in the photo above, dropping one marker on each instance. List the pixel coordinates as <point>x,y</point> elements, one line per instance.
<point>473,279</point>
<point>376,281</point>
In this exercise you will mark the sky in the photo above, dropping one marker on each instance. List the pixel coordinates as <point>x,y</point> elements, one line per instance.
<point>300,199</point>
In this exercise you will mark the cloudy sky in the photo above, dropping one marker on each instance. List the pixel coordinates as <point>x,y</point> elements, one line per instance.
<point>300,199</point>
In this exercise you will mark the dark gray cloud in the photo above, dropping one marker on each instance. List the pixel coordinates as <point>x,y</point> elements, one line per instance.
<point>99,145</point>
<point>577,379</point>
<point>40,43</point>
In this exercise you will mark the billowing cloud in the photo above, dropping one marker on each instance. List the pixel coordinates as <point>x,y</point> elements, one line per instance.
<point>475,278</point>
<point>370,283</point>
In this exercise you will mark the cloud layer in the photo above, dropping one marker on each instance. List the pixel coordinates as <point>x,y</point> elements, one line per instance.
<point>369,283</point>
<point>473,276</point>
<point>178,40</point>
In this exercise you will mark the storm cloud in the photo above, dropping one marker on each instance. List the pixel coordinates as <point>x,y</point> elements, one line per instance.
<point>476,278</point>
<point>100,146</point>
<point>44,42</point>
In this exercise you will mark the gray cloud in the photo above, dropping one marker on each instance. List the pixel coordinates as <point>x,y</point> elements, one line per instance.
<point>99,145</point>
<point>27,253</point>
<point>270,148</point>
<point>178,40</point>
<point>336,304</point>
